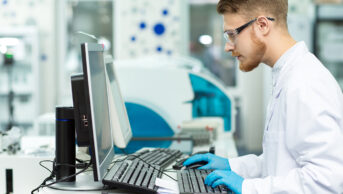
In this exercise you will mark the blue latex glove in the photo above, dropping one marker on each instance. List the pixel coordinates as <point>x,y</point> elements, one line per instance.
<point>213,161</point>
<point>227,178</point>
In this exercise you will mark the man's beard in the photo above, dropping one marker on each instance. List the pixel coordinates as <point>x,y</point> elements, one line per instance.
<point>258,49</point>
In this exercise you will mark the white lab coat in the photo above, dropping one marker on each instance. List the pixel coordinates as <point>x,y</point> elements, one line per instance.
<point>303,141</point>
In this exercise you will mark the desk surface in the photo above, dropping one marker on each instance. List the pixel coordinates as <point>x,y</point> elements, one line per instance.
<point>86,179</point>
<point>27,174</point>
<point>225,147</point>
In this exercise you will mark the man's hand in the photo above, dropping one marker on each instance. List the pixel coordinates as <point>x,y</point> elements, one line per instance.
<point>213,161</point>
<point>227,178</point>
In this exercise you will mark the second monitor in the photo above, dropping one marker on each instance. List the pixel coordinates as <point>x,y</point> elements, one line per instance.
<point>120,124</point>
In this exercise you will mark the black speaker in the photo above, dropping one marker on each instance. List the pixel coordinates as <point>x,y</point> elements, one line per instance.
<point>65,143</point>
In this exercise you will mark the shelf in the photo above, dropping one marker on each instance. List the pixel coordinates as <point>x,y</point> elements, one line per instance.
<point>330,20</point>
<point>19,94</point>
<point>330,12</point>
<point>20,123</point>
<point>17,66</point>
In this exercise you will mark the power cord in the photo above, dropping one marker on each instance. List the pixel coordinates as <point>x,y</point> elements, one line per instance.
<point>53,174</point>
<point>128,155</point>
<point>41,164</point>
<point>169,170</point>
<point>82,164</point>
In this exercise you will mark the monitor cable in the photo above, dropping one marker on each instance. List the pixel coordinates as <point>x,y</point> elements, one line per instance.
<point>53,174</point>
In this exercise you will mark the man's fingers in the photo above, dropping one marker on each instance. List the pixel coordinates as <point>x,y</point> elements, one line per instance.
<point>218,182</point>
<point>194,159</point>
<point>211,178</point>
<point>205,167</point>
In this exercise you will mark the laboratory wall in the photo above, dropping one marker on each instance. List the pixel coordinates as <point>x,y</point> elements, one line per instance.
<point>151,27</point>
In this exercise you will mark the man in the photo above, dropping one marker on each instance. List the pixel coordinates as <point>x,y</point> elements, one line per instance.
<point>303,141</point>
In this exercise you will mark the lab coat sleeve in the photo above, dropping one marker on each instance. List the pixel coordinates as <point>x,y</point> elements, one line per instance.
<point>249,166</point>
<point>313,136</point>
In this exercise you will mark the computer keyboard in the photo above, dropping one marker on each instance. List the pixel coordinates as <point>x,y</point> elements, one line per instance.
<point>137,176</point>
<point>192,181</point>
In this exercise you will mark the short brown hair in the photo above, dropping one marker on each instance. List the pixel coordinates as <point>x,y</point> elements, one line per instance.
<point>251,8</point>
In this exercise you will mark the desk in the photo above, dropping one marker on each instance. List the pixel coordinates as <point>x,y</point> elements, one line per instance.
<point>88,178</point>
<point>85,181</point>
<point>27,174</point>
<point>225,147</point>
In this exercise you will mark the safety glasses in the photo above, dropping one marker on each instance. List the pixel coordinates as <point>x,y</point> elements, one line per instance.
<point>230,35</point>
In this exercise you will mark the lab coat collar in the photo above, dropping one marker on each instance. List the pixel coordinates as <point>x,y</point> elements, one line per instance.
<point>284,64</point>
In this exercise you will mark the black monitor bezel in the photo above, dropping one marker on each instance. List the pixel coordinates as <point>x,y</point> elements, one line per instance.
<point>80,111</point>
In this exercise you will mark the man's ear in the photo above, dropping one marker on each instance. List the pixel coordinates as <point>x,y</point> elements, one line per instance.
<point>262,25</point>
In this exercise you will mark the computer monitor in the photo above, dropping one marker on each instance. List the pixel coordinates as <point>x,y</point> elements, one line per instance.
<point>97,110</point>
<point>120,124</point>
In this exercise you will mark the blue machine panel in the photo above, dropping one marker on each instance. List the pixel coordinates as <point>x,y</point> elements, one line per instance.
<point>146,123</point>
<point>210,101</point>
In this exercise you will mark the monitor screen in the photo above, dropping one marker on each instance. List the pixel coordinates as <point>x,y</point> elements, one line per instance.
<point>97,108</point>
<point>119,119</point>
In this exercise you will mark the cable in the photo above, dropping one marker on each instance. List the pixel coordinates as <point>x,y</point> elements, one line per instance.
<point>80,165</point>
<point>82,161</point>
<point>61,189</point>
<point>147,163</point>
<point>40,163</point>
<point>169,170</point>
<point>52,175</point>
<point>71,176</point>
<point>77,166</point>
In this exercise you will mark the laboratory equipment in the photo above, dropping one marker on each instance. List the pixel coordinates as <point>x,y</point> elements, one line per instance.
<point>9,63</point>
<point>195,91</point>
<point>10,140</point>
<point>176,90</point>
<point>203,130</point>
<point>20,48</point>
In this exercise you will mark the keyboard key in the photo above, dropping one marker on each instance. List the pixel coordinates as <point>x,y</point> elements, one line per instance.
<point>153,178</point>
<point>201,181</point>
<point>147,177</point>
<point>136,173</point>
<point>194,181</point>
<point>180,183</point>
<point>117,176</point>
<point>186,182</point>
<point>141,175</point>
<point>130,171</point>
<point>154,159</point>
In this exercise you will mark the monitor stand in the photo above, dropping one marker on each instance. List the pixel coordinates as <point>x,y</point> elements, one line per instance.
<point>83,182</point>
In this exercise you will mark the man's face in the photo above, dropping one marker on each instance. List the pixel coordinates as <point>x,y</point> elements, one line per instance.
<point>247,47</point>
